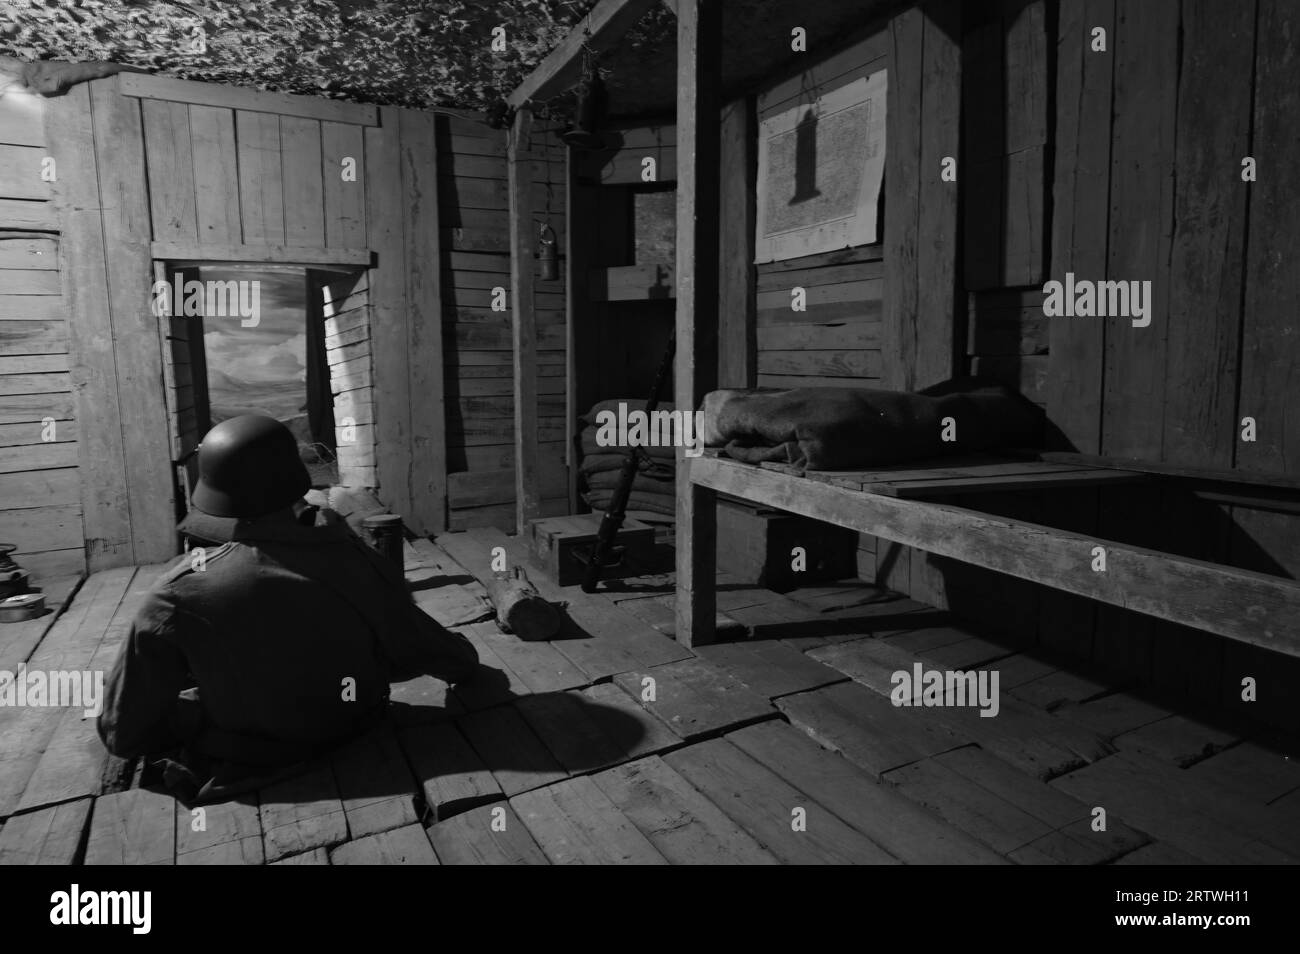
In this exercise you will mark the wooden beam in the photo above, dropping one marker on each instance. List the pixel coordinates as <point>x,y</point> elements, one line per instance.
<point>102,461</point>
<point>146,86</point>
<point>738,298</point>
<point>389,344</point>
<point>1249,607</point>
<point>428,467</point>
<point>699,135</point>
<point>599,30</point>
<point>523,322</point>
<point>213,254</point>
<point>119,156</point>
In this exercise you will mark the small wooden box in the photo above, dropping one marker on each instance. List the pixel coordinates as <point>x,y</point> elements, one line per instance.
<point>756,545</point>
<point>554,543</point>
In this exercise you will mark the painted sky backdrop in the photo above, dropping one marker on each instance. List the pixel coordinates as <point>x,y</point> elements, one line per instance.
<point>261,368</point>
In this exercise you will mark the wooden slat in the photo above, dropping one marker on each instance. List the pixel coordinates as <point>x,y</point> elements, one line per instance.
<point>574,822</point>
<point>1210,217</point>
<point>216,253</point>
<point>31,251</point>
<point>171,170</point>
<point>149,86</point>
<point>20,118</point>
<point>763,804</point>
<point>1081,202</point>
<point>1142,199</point>
<point>375,786</point>
<point>523,320</point>
<point>683,825</point>
<point>390,336</point>
<point>517,758</point>
<point>737,213</point>
<point>302,813</point>
<point>694,698</point>
<point>345,200</point>
<point>1256,609</point>
<point>304,187</point>
<point>51,836</point>
<point>933,327</point>
<point>20,172</point>
<point>471,839</point>
<point>453,776</point>
<point>1269,379</point>
<point>902,188</point>
<point>428,450</point>
<point>699,40</point>
<point>216,175</point>
<point>602,28</point>
<point>261,185</point>
<point>28,214</point>
<point>135,827</point>
<point>898,825</point>
<point>229,833</point>
<point>103,471</point>
<point>29,281</point>
<point>402,846</point>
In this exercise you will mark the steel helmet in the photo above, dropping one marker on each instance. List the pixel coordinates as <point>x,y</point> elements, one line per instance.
<point>249,467</point>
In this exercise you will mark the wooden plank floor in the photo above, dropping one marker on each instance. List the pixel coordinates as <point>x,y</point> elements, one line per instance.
<point>613,744</point>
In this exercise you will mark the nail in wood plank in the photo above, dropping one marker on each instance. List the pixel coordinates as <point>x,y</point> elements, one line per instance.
<point>408,845</point>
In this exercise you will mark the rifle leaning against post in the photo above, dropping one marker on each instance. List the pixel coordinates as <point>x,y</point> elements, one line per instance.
<point>604,553</point>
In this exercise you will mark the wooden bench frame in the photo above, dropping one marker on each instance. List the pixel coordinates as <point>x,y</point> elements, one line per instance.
<point>1243,605</point>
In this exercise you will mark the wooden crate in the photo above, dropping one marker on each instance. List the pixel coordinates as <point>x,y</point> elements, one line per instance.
<point>555,543</point>
<point>757,545</point>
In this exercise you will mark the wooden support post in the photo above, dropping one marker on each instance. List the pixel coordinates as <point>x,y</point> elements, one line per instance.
<point>523,324</point>
<point>699,53</point>
<point>119,157</point>
<point>428,466</point>
<point>737,305</point>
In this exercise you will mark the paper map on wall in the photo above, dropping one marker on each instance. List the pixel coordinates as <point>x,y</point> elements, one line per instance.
<point>820,166</point>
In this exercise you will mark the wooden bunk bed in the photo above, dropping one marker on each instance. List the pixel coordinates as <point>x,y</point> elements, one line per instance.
<point>906,505</point>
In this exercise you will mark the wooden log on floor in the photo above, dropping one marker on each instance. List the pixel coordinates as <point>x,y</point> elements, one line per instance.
<point>521,610</point>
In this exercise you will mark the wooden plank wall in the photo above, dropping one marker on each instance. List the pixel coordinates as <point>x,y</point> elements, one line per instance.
<point>348,347</point>
<point>837,340</point>
<point>478,353</point>
<point>1126,165</point>
<point>40,497</point>
<point>207,173</point>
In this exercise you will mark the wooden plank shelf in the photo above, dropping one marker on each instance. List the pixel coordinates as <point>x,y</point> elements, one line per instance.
<point>1243,605</point>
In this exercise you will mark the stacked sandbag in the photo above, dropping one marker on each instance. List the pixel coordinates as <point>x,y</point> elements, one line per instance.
<point>653,488</point>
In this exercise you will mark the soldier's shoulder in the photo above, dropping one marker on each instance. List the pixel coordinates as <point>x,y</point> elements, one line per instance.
<point>194,562</point>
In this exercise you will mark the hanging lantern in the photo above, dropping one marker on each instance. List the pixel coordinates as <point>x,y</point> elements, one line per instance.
<point>547,261</point>
<point>588,113</point>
